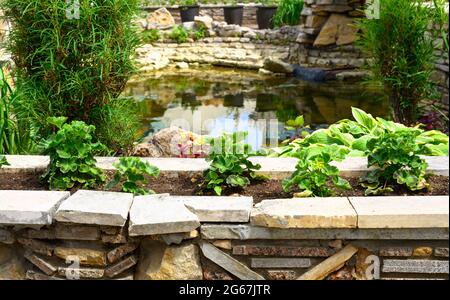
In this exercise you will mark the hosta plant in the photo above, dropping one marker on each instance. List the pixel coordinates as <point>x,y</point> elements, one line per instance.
<point>396,161</point>
<point>3,161</point>
<point>133,170</point>
<point>230,167</point>
<point>314,175</point>
<point>71,150</point>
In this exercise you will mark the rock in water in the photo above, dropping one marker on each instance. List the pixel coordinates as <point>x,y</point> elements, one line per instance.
<point>312,74</point>
<point>171,142</point>
<point>160,17</point>
<point>276,65</point>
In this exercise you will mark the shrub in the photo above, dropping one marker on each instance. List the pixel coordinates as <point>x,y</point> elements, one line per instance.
<point>313,172</point>
<point>402,53</point>
<point>394,156</point>
<point>3,161</point>
<point>14,132</point>
<point>230,167</point>
<point>151,36</point>
<point>133,170</point>
<point>355,134</point>
<point>288,13</point>
<point>71,151</point>
<point>70,66</point>
<point>179,34</point>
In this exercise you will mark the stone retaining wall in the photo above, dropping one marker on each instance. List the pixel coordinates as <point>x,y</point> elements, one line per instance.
<point>104,235</point>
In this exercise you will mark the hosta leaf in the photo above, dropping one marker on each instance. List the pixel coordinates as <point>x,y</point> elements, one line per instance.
<point>236,180</point>
<point>218,190</point>
<point>363,118</point>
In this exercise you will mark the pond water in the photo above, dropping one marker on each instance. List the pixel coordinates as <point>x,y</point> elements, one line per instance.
<point>210,101</point>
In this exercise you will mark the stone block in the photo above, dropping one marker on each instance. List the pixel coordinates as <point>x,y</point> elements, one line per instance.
<point>402,212</point>
<point>121,266</point>
<point>281,251</point>
<point>281,275</point>
<point>417,266</point>
<point>95,207</point>
<point>441,252</point>
<point>120,251</point>
<point>75,232</point>
<point>304,213</point>
<point>396,251</point>
<point>85,254</point>
<point>280,262</point>
<point>29,207</point>
<point>157,215</point>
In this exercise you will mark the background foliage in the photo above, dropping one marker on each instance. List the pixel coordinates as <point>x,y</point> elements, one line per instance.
<point>74,67</point>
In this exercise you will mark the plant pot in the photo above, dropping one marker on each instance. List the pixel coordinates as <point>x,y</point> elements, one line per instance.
<point>188,13</point>
<point>233,14</point>
<point>264,16</point>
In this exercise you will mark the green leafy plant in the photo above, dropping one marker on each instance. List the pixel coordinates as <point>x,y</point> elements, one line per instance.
<point>355,134</point>
<point>296,125</point>
<point>71,66</point>
<point>71,150</point>
<point>133,170</point>
<point>402,52</point>
<point>229,164</point>
<point>179,34</point>
<point>314,174</point>
<point>394,156</point>
<point>3,161</point>
<point>151,36</point>
<point>188,3</point>
<point>288,13</point>
<point>200,32</point>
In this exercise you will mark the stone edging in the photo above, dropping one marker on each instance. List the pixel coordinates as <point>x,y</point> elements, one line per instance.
<point>164,214</point>
<point>275,168</point>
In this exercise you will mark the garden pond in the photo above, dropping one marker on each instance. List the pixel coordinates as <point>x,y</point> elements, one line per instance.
<point>209,101</point>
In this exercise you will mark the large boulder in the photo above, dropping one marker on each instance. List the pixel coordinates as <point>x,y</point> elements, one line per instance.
<point>161,262</point>
<point>276,65</point>
<point>160,17</point>
<point>205,21</point>
<point>172,142</point>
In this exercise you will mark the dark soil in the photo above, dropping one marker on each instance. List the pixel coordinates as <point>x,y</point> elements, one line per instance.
<point>187,185</point>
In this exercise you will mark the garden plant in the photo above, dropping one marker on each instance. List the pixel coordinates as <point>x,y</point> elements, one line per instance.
<point>133,171</point>
<point>229,164</point>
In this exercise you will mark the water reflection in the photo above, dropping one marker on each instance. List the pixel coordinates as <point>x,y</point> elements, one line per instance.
<point>211,104</point>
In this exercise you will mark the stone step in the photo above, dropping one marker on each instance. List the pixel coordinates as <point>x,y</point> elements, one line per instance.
<point>29,207</point>
<point>95,207</point>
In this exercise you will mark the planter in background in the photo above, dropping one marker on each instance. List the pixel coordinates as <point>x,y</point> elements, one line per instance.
<point>188,13</point>
<point>264,16</point>
<point>233,14</point>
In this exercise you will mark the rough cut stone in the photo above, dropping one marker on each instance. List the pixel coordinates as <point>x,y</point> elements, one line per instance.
<point>281,275</point>
<point>25,163</point>
<point>219,209</point>
<point>42,234</point>
<point>12,265</point>
<point>415,266</point>
<point>337,30</point>
<point>223,244</point>
<point>396,251</point>
<point>46,266</point>
<point>80,273</point>
<point>121,266</point>
<point>161,262</point>
<point>276,65</point>
<point>74,232</point>
<point>205,21</point>
<point>160,17</point>
<point>441,252</point>
<point>402,212</point>
<point>280,262</point>
<point>118,252</point>
<point>281,251</point>
<point>29,207</point>
<point>177,238</point>
<point>304,213</point>
<point>94,207</point>
<point>37,246</point>
<point>423,251</point>
<point>87,255</point>
<point>227,262</point>
<point>249,232</point>
<point>157,215</point>
<point>6,237</point>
